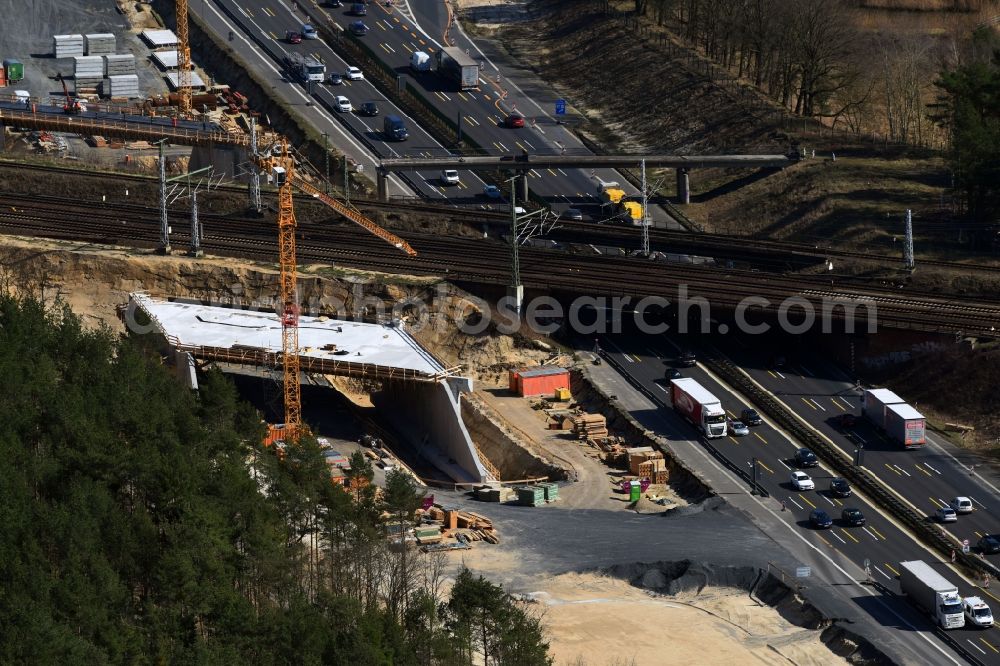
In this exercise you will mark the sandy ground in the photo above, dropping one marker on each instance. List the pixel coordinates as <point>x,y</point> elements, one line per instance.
<point>598,621</point>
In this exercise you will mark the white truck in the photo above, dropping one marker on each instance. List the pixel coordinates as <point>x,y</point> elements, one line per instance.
<point>930,591</point>
<point>898,420</point>
<point>457,65</point>
<point>305,68</point>
<point>695,403</point>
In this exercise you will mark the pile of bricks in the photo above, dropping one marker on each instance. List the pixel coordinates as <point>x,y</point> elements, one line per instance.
<point>590,426</point>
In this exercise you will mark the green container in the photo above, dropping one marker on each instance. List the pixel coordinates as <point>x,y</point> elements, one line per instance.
<point>14,70</point>
<point>635,491</point>
<point>530,496</point>
<point>551,490</point>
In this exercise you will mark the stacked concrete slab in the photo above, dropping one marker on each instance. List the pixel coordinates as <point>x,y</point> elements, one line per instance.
<point>123,85</point>
<point>100,43</point>
<point>88,71</point>
<point>117,65</point>
<point>67,46</point>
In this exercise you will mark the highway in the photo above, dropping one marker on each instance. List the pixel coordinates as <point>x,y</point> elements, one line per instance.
<point>394,37</point>
<point>646,358</point>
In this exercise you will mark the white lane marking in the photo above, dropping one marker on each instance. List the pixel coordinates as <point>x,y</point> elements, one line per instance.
<point>838,537</point>
<point>969,641</point>
<point>845,401</point>
<point>882,572</point>
<point>663,388</point>
<point>927,465</point>
<point>977,501</point>
<point>783,463</point>
<point>806,370</point>
<point>902,470</point>
<point>794,502</point>
<point>779,374</point>
<point>872,535</point>
<point>828,500</point>
<point>817,404</point>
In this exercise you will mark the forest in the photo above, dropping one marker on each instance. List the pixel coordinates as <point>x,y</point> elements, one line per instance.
<point>144,523</point>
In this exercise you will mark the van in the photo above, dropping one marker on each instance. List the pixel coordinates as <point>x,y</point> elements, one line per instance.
<point>394,129</point>
<point>420,61</point>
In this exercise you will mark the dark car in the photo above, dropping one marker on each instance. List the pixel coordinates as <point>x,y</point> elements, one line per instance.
<point>358,28</point>
<point>368,109</point>
<point>687,359</point>
<point>840,487</point>
<point>359,9</point>
<point>989,545</point>
<point>514,121</point>
<point>852,517</point>
<point>573,214</point>
<point>673,373</point>
<point>293,37</point>
<point>806,458</point>
<point>820,518</point>
<point>334,3</point>
<point>750,417</point>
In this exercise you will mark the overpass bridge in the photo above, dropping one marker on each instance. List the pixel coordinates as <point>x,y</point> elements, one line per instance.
<point>419,396</point>
<point>525,162</point>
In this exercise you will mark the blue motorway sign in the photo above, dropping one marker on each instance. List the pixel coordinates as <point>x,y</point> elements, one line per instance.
<point>560,107</point>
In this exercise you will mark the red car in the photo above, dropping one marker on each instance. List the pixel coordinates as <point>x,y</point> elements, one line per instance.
<point>293,37</point>
<point>514,121</point>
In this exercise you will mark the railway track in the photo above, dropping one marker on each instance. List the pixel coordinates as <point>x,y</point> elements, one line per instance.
<point>776,255</point>
<point>485,261</point>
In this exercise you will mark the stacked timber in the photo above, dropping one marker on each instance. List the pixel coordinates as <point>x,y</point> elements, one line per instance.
<point>590,426</point>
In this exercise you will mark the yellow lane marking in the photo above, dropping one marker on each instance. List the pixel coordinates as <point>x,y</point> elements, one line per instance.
<point>734,439</point>
<point>772,374</point>
<point>807,501</point>
<point>853,538</point>
<point>760,438</point>
<point>877,532</point>
<point>552,172</point>
<point>408,47</point>
<point>892,469</point>
<point>248,12</point>
<point>824,540</point>
<point>765,467</point>
<point>990,645</point>
<point>810,404</point>
<point>921,469</point>
<point>839,503</point>
<point>463,97</point>
<point>933,501</point>
<point>891,568</point>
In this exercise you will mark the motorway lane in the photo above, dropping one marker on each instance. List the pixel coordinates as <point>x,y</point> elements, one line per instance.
<point>269,20</point>
<point>394,36</point>
<point>927,477</point>
<point>881,541</point>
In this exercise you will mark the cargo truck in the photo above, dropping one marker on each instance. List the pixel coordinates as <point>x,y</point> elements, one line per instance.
<point>455,64</point>
<point>694,402</point>
<point>890,414</point>
<point>930,591</point>
<point>305,68</point>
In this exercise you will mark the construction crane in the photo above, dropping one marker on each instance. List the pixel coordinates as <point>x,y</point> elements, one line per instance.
<point>183,59</point>
<point>280,163</point>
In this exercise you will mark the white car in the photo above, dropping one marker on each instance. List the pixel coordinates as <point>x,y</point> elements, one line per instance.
<point>946,514</point>
<point>449,177</point>
<point>977,612</point>
<point>738,428</point>
<point>961,505</point>
<point>343,104</point>
<point>354,74</point>
<point>802,481</point>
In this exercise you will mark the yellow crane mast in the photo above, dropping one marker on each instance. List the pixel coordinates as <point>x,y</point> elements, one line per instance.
<point>183,59</point>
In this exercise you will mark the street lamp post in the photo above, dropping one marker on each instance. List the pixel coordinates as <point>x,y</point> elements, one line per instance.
<point>326,159</point>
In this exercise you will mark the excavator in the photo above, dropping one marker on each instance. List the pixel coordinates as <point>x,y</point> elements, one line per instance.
<point>71,106</point>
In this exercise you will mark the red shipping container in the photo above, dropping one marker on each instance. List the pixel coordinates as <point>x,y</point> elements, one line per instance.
<point>540,380</point>
<point>3,78</point>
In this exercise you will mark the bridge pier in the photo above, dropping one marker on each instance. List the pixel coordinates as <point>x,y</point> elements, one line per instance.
<point>683,187</point>
<point>522,187</point>
<point>381,179</point>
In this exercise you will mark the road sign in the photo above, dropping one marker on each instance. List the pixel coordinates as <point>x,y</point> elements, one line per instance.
<point>803,572</point>
<point>965,546</point>
<point>560,107</point>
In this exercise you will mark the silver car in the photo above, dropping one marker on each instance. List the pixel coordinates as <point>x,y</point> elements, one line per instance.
<point>961,505</point>
<point>802,481</point>
<point>946,514</point>
<point>738,428</point>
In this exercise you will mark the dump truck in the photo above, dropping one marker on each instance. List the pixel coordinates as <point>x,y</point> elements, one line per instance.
<point>898,420</point>
<point>929,590</point>
<point>305,68</point>
<point>696,404</point>
<point>615,204</point>
<point>455,64</point>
